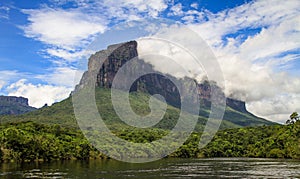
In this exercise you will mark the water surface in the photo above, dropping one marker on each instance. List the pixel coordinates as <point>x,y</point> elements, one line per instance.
<point>165,168</point>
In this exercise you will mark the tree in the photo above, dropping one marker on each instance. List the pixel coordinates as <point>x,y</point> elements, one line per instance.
<point>294,117</point>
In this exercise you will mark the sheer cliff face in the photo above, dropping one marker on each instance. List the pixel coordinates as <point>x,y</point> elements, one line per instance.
<point>111,59</point>
<point>115,56</point>
<point>13,99</point>
<point>14,105</point>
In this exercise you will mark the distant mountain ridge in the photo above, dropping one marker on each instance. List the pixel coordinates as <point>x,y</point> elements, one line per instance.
<point>12,105</point>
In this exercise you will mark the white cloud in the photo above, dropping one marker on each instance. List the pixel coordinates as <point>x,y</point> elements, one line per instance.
<point>62,76</point>
<point>2,83</point>
<point>278,108</point>
<point>68,55</point>
<point>251,15</point>
<point>59,81</point>
<point>176,10</point>
<point>7,76</point>
<point>195,5</point>
<point>39,94</point>
<point>272,41</point>
<point>65,32</point>
<point>171,57</point>
<point>66,29</point>
<point>73,27</point>
<point>188,19</point>
<point>4,12</point>
<point>252,66</point>
<point>122,8</point>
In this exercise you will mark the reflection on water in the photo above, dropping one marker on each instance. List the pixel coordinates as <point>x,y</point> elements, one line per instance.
<point>166,168</point>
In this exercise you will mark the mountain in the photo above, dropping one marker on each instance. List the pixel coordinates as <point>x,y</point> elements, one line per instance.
<point>62,113</point>
<point>115,56</point>
<point>11,105</point>
<point>53,133</point>
<point>236,114</point>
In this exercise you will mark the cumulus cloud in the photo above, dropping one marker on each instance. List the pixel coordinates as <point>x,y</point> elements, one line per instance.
<point>278,108</point>
<point>168,58</point>
<point>62,76</point>
<point>272,41</point>
<point>251,15</point>
<point>253,64</point>
<point>39,94</point>
<point>176,10</point>
<point>254,67</point>
<point>7,76</point>
<point>66,29</point>
<point>66,32</point>
<point>59,84</point>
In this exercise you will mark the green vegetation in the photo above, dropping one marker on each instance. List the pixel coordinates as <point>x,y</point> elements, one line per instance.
<point>294,117</point>
<point>62,113</point>
<point>29,141</point>
<point>265,141</point>
<point>51,133</point>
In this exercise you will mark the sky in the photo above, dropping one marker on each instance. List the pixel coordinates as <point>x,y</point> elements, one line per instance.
<point>256,43</point>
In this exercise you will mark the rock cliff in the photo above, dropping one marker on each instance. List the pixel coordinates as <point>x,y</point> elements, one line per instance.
<point>115,56</point>
<point>12,105</point>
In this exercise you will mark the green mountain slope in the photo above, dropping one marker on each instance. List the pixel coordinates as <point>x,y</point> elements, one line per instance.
<point>236,114</point>
<point>62,113</point>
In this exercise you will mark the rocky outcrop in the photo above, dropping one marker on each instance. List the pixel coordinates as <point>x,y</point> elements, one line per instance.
<point>13,99</point>
<point>12,105</point>
<point>115,56</point>
<point>112,59</point>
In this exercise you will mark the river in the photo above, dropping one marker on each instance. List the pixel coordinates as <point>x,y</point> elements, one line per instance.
<point>165,168</point>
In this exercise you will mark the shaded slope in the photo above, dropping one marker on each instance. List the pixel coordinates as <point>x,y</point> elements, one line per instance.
<point>62,113</point>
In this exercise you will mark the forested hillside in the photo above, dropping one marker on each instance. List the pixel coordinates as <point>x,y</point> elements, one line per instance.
<point>28,141</point>
<point>62,113</point>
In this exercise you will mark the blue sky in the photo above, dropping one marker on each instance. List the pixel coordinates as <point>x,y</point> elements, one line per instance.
<point>256,42</point>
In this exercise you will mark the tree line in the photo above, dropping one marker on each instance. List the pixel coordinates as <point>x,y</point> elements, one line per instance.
<point>30,141</point>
